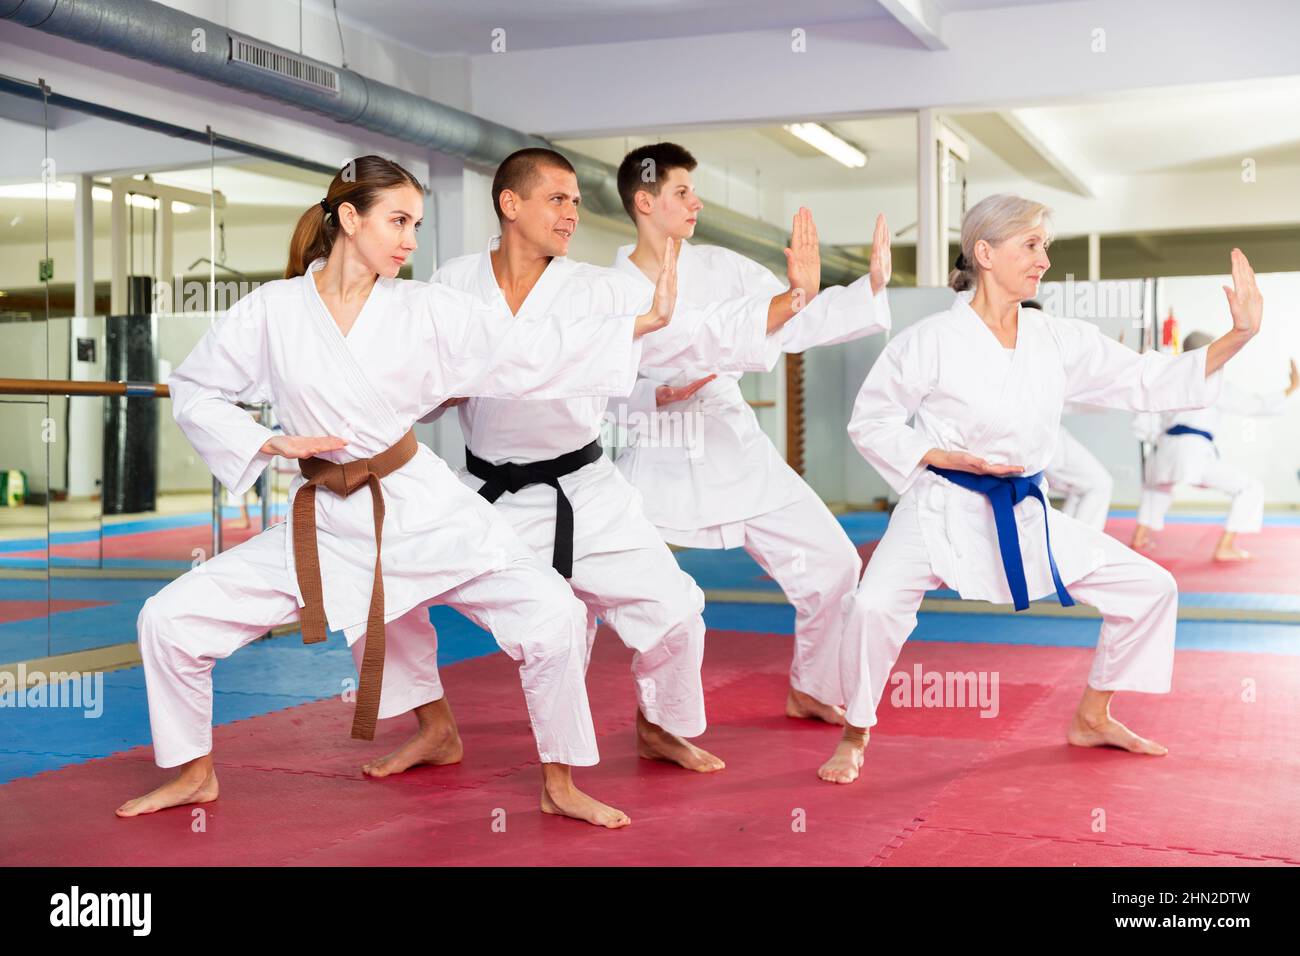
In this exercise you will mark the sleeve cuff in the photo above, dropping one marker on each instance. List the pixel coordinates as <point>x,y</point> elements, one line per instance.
<point>257,462</point>
<point>882,320</point>
<point>918,468</point>
<point>1211,389</point>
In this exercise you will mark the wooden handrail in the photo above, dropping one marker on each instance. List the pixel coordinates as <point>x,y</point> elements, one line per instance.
<point>42,386</point>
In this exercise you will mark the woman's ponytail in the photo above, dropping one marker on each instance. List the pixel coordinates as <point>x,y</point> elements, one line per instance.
<point>312,239</point>
<point>962,276</point>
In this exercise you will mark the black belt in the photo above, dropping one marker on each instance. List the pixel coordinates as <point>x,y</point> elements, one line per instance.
<point>513,476</point>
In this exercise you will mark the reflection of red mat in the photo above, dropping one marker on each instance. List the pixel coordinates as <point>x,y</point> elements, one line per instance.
<point>171,544</point>
<point>941,786</point>
<point>29,610</point>
<point>1185,549</point>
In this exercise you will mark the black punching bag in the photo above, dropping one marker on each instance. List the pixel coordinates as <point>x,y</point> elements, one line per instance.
<point>130,424</point>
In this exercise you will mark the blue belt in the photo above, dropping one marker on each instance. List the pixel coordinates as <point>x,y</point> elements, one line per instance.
<point>1003,494</point>
<point>1189,430</point>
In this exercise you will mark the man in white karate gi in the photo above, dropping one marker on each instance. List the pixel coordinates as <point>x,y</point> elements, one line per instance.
<point>541,464</point>
<point>734,489</point>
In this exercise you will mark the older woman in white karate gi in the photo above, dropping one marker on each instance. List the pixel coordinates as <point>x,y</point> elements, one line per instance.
<point>983,385</point>
<point>1186,453</point>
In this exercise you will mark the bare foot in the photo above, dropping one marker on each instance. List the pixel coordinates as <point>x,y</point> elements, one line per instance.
<point>1109,732</point>
<point>1141,540</point>
<point>561,798</point>
<point>846,762</point>
<point>655,743</point>
<point>799,704</point>
<point>195,783</point>
<point>436,746</point>
<point>1231,553</point>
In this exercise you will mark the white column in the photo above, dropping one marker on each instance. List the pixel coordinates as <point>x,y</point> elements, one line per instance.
<point>928,265</point>
<point>83,238</point>
<point>443,237</point>
<point>1094,257</point>
<point>444,214</point>
<point>938,148</point>
<point>119,240</point>
<point>164,233</point>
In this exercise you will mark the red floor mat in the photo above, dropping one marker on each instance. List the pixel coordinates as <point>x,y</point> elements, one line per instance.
<point>171,544</point>
<point>11,611</point>
<point>941,786</point>
<point>1185,549</point>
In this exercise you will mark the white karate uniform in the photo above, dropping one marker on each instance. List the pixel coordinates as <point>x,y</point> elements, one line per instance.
<point>964,392</point>
<point>412,346</point>
<point>1087,484</point>
<point>1192,460</point>
<point>734,489</point>
<point>622,570</point>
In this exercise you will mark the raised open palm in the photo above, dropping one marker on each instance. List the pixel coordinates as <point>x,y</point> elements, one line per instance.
<point>882,263</point>
<point>1244,300</point>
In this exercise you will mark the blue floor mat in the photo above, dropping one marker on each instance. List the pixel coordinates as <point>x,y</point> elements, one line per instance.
<point>1026,629</point>
<point>265,676</point>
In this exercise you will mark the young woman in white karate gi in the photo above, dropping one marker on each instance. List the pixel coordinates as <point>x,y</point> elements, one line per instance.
<point>983,385</point>
<point>733,489</point>
<point>351,357</point>
<point>1186,453</point>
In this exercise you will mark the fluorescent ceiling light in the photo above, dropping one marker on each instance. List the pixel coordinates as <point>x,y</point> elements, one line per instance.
<point>819,137</point>
<point>66,191</point>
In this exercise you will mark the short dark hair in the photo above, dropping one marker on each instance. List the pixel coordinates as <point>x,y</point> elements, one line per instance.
<point>645,168</point>
<point>520,170</point>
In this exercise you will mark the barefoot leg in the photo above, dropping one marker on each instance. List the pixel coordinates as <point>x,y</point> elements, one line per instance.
<point>805,706</point>
<point>436,742</point>
<point>1141,537</point>
<point>562,798</point>
<point>1093,726</point>
<point>1227,550</point>
<point>195,782</point>
<point>655,743</point>
<point>847,759</point>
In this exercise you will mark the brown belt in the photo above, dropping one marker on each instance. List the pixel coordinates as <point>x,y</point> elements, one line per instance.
<point>343,480</point>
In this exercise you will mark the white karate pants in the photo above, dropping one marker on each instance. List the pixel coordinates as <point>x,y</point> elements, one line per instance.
<point>1245,515</point>
<point>212,611</point>
<point>1137,598</point>
<point>804,550</point>
<point>637,588</point>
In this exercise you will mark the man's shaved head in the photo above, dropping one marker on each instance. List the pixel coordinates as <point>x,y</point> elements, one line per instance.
<point>520,171</point>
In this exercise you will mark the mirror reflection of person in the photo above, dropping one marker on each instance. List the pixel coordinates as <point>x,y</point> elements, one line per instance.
<point>1187,454</point>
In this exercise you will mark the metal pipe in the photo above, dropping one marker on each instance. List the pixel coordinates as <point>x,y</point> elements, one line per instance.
<point>161,35</point>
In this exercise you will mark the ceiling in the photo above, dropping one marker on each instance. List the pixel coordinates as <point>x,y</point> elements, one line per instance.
<point>1069,147</point>
<point>466,26</point>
